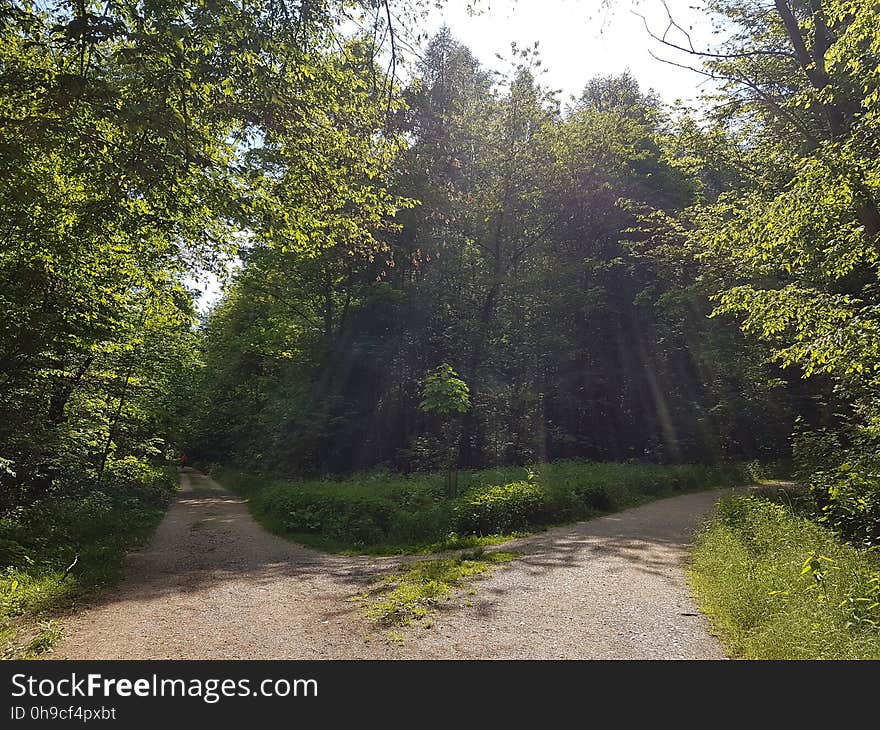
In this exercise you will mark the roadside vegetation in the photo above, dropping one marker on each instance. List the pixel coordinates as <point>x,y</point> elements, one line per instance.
<point>777,585</point>
<point>91,532</point>
<point>419,588</point>
<point>384,513</point>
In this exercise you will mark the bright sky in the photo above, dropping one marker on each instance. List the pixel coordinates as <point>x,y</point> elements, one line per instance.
<point>579,40</point>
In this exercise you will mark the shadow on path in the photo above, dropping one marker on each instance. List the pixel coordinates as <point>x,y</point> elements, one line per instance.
<point>214,584</point>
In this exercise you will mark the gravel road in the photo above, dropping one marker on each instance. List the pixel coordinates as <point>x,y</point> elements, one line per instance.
<point>213,584</point>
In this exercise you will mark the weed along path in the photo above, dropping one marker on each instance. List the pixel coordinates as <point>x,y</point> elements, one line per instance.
<point>213,584</point>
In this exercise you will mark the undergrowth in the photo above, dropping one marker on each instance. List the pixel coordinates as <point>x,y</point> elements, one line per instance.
<point>778,586</point>
<point>88,529</point>
<point>383,513</point>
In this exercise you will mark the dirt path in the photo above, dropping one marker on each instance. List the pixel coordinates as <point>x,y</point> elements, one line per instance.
<point>214,585</point>
<point>611,588</point>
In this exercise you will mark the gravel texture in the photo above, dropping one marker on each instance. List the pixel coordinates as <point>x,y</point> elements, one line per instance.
<point>610,588</point>
<point>213,584</point>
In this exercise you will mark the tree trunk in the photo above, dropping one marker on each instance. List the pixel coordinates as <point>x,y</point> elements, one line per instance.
<point>111,432</point>
<point>62,390</point>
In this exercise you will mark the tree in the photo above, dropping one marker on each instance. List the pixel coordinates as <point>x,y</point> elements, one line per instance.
<point>545,253</point>
<point>447,396</point>
<point>792,243</point>
<point>142,143</point>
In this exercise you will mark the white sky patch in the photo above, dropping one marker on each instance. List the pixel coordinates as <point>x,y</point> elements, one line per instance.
<point>208,288</point>
<point>579,40</point>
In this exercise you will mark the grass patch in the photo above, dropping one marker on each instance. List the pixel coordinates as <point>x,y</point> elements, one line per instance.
<point>39,541</point>
<point>413,593</point>
<point>382,513</point>
<point>778,586</point>
<point>49,632</point>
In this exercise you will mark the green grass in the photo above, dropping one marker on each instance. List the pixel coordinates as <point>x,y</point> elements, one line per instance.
<point>383,513</point>
<point>412,594</point>
<point>777,586</point>
<point>41,540</point>
<point>25,596</point>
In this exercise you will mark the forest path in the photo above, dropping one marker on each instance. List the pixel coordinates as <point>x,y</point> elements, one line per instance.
<point>213,584</point>
<point>610,588</point>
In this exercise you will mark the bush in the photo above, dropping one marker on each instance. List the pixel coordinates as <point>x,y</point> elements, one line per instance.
<point>778,586</point>
<point>12,552</point>
<point>848,500</point>
<point>381,509</point>
<point>501,509</point>
<point>138,483</point>
<point>844,481</point>
<point>366,512</point>
<point>49,532</point>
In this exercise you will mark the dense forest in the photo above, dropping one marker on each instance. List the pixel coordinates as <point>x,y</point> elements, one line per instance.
<point>605,278</point>
<point>541,255</point>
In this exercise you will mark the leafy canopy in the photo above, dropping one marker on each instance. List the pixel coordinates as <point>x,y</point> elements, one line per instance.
<point>444,392</point>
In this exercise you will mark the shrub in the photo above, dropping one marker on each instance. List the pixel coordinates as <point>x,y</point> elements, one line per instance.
<point>342,512</point>
<point>98,522</point>
<point>848,498</point>
<point>398,512</point>
<point>500,509</point>
<point>403,512</point>
<point>137,482</point>
<point>843,476</point>
<point>12,552</point>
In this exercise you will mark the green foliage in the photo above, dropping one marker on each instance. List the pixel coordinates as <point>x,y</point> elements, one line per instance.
<point>789,242</point>
<point>49,633</point>
<point>410,595</point>
<point>566,262</point>
<point>38,542</point>
<point>444,393</point>
<point>842,478</point>
<point>142,145</point>
<point>356,512</point>
<point>501,509</point>
<point>113,185</point>
<point>778,586</point>
<point>385,513</point>
<point>546,258</point>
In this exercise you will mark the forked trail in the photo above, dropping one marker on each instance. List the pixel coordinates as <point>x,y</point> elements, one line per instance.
<point>213,584</point>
